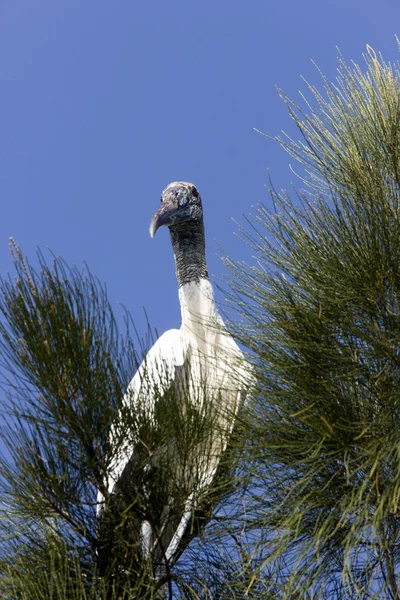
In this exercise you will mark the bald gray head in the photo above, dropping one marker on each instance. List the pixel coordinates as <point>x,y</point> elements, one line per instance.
<point>181,211</point>
<point>180,203</point>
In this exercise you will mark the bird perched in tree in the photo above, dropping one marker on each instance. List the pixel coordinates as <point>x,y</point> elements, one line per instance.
<point>182,405</point>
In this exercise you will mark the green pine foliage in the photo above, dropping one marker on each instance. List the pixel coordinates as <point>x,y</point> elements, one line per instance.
<point>65,368</point>
<point>322,318</point>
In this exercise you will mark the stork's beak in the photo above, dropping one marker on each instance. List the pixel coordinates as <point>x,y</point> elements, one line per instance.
<point>170,213</point>
<point>167,214</point>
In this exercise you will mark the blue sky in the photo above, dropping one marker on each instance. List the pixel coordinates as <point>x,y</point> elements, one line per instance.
<point>103,103</point>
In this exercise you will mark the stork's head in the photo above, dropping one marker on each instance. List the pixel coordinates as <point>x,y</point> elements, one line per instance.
<point>180,203</point>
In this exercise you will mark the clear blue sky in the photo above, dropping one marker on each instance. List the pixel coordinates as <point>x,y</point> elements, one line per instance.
<point>104,102</point>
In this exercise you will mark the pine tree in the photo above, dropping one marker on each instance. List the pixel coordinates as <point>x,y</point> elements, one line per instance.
<point>322,318</point>
<point>66,368</point>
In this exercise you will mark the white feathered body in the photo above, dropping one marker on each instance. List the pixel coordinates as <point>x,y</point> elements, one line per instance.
<point>216,379</point>
<point>217,370</point>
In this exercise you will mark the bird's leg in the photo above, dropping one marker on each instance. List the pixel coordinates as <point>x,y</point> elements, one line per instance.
<point>146,532</point>
<point>174,543</point>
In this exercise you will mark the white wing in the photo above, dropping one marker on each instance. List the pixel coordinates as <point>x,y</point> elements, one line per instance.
<point>152,379</point>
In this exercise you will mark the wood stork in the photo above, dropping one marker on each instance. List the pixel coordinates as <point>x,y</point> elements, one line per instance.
<point>193,377</point>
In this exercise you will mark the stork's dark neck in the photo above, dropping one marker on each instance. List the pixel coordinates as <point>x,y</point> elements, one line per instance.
<point>188,242</point>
